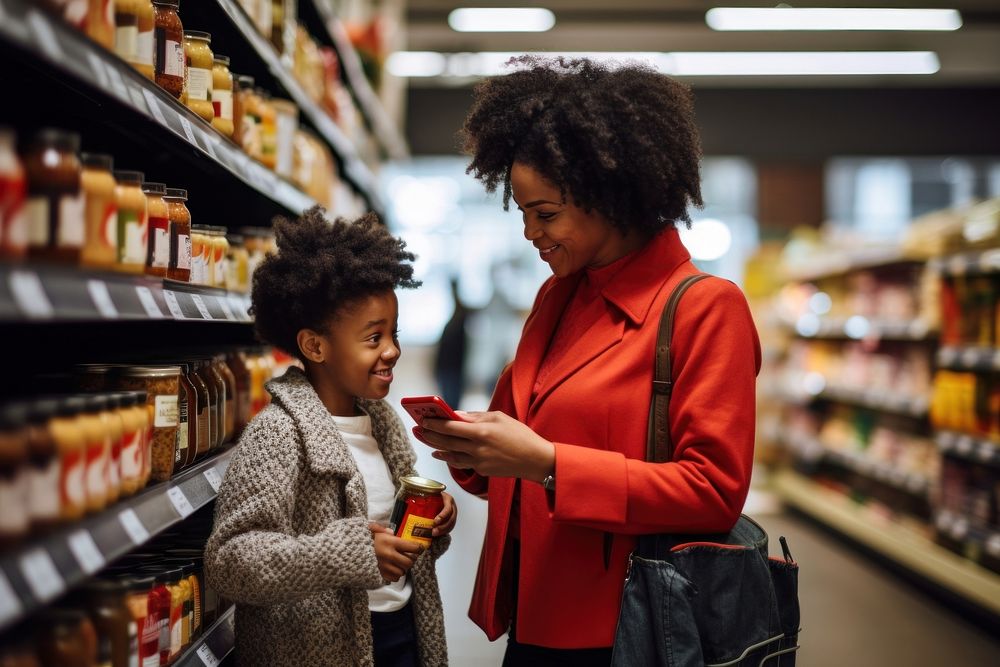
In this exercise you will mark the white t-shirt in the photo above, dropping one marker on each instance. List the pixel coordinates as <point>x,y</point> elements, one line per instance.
<point>357,433</point>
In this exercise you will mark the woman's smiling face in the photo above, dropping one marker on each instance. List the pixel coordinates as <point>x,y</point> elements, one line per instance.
<point>567,237</point>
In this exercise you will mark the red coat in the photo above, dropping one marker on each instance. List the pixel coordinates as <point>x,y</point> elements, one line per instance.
<point>594,407</point>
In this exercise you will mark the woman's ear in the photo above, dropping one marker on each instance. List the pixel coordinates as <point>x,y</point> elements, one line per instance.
<point>311,345</point>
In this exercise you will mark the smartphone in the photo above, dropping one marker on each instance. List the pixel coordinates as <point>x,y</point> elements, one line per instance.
<point>421,407</point>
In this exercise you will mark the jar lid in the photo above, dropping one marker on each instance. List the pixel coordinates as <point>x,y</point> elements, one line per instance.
<point>61,139</point>
<point>140,396</point>
<point>97,161</point>
<point>71,405</point>
<point>222,60</point>
<point>152,371</point>
<point>126,399</point>
<point>42,409</point>
<point>163,573</point>
<point>177,193</point>
<point>246,81</point>
<point>93,369</point>
<point>235,239</point>
<point>201,228</point>
<point>198,34</point>
<point>114,400</point>
<point>422,484</point>
<point>96,402</point>
<point>13,415</point>
<point>138,581</point>
<point>168,3</point>
<point>153,188</point>
<point>130,177</point>
<point>219,229</point>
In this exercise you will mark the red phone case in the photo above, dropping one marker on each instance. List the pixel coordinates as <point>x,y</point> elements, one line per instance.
<point>420,407</point>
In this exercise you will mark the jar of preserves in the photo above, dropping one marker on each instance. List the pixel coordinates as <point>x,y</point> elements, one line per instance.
<point>116,427</point>
<point>418,501</point>
<point>237,264</point>
<point>199,59</point>
<point>268,115</point>
<point>13,193</point>
<point>202,410</point>
<point>201,250</point>
<point>213,373</point>
<point>66,637</point>
<point>134,430</point>
<point>146,41</point>
<point>100,23</point>
<point>287,119</point>
<point>159,606</point>
<point>251,134</point>
<point>133,223</point>
<point>43,465</point>
<point>147,438</point>
<point>71,443</point>
<point>168,36</point>
<point>186,590</point>
<point>230,381</point>
<point>14,474</point>
<point>158,236</point>
<point>236,360</point>
<point>220,257</point>
<point>126,45</point>
<point>193,560</point>
<point>170,602</point>
<point>112,618</point>
<point>179,266</point>
<point>162,387</point>
<point>96,430</point>
<point>242,85</point>
<point>137,591</point>
<point>100,242</point>
<point>222,95</point>
<point>184,452</point>
<point>55,204</point>
<point>215,399</point>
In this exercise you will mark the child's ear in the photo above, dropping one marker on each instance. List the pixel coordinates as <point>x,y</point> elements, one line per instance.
<point>311,345</point>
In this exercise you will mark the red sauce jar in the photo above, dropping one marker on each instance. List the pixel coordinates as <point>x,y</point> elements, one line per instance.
<point>418,501</point>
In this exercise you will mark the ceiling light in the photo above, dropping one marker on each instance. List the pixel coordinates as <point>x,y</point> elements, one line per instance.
<point>685,63</point>
<point>839,18</point>
<point>501,19</point>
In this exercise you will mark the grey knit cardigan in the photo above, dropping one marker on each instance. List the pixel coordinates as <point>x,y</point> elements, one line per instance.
<point>291,545</point>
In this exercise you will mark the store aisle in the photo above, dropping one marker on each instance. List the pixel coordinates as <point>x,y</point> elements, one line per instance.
<point>854,612</point>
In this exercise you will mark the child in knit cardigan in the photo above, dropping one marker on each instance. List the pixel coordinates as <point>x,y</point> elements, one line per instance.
<point>298,541</point>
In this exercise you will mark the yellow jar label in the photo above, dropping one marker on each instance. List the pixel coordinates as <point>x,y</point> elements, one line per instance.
<point>418,529</point>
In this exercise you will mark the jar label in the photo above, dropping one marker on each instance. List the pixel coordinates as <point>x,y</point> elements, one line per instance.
<point>115,465</point>
<point>97,470</point>
<point>73,488</point>
<point>131,236</point>
<point>199,82</point>
<point>15,233</point>
<point>133,644</point>
<point>37,213</point>
<point>14,501</point>
<point>109,228</point>
<point>222,103</point>
<point>159,231</point>
<point>145,48</point>
<point>183,251</point>
<point>418,529</point>
<point>167,411</point>
<point>72,228</point>
<point>132,456</point>
<point>127,41</point>
<point>180,450</point>
<point>174,65</point>
<point>43,491</point>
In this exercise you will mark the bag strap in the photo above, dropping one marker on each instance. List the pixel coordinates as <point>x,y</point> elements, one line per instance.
<point>659,447</point>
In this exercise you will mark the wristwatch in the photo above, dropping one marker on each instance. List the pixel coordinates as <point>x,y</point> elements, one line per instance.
<point>549,483</point>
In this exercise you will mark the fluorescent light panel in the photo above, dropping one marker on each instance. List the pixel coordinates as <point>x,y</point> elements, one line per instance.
<point>794,18</point>
<point>685,63</point>
<point>501,19</point>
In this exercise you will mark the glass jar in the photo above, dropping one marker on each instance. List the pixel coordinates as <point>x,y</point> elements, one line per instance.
<point>287,119</point>
<point>66,637</point>
<point>146,41</point>
<point>215,399</point>
<point>202,409</point>
<point>236,360</point>
<point>13,194</point>
<point>98,437</point>
<point>193,567</point>
<point>199,59</point>
<point>169,599</point>
<point>185,451</point>
<point>251,134</point>
<point>268,129</point>
<point>126,36</point>
<point>133,223</point>
<point>116,427</point>
<point>179,267</point>
<point>219,437</point>
<point>186,590</point>
<point>133,432</point>
<point>222,96</point>
<point>100,242</point>
<point>159,605</point>
<point>168,40</point>
<point>71,443</point>
<point>100,23</point>
<point>230,381</point>
<point>43,466</point>
<point>201,250</point>
<point>162,387</point>
<point>237,264</point>
<point>138,589</point>
<point>14,474</point>
<point>112,618</point>
<point>220,257</point>
<point>158,236</point>
<point>242,86</point>
<point>55,204</point>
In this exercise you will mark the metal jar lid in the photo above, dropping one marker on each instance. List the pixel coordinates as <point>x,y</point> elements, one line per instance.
<point>422,484</point>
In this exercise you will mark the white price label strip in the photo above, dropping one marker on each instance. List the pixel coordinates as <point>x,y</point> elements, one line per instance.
<point>209,146</point>
<point>207,657</point>
<point>41,574</point>
<point>172,305</point>
<point>97,68</point>
<point>213,479</point>
<point>188,130</point>
<point>30,295</point>
<point>87,554</point>
<point>43,32</point>
<point>154,107</point>
<point>101,297</point>
<point>180,501</point>
<point>224,304</point>
<point>117,82</point>
<point>148,302</point>
<point>133,526</point>
<point>200,305</point>
<point>10,606</point>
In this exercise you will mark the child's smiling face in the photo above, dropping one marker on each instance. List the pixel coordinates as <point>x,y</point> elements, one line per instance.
<point>360,349</point>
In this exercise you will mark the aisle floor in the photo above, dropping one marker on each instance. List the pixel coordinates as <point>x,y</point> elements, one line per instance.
<point>854,612</point>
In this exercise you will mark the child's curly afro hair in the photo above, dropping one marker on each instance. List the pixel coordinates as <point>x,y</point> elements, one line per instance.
<point>618,139</point>
<point>320,268</point>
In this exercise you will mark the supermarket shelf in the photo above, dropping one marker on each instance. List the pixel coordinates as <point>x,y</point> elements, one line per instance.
<point>976,539</point>
<point>984,262</point>
<point>384,129</point>
<point>969,358</point>
<point>972,448</point>
<point>50,41</point>
<point>879,400</point>
<point>901,545</point>
<point>353,167</point>
<point>838,263</point>
<point>214,644</point>
<point>37,572</point>
<point>39,292</point>
<point>861,328</point>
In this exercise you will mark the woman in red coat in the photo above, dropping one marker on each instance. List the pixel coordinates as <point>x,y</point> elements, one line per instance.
<point>603,164</point>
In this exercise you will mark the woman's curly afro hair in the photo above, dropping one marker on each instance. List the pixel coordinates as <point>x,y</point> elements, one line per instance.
<point>621,140</point>
<point>320,268</point>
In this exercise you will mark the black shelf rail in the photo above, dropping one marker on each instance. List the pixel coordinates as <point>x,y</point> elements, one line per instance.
<point>353,167</point>
<point>35,573</point>
<point>213,646</point>
<point>862,328</point>
<point>972,448</point>
<point>51,41</point>
<point>879,400</point>
<point>978,539</point>
<point>40,292</point>
<point>977,358</point>
<point>384,129</point>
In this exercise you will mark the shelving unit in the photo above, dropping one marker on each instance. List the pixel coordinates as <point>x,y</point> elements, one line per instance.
<point>213,646</point>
